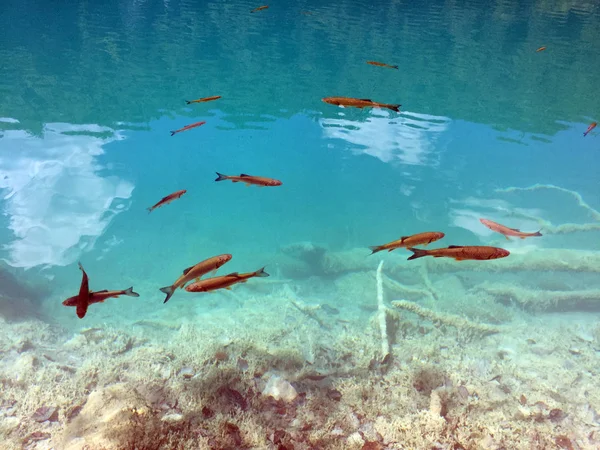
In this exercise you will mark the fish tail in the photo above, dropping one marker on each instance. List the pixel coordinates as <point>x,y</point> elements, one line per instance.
<point>188,102</point>
<point>169,291</point>
<point>220,177</point>
<point>173,133</point>
<point>375,249</point>
<point>417,253</point>
<point>395,67</point>
<point>261,273</point>
<point>149,210</point>
<point>130,292</point>
<point>538,233</point>
<point>394,107</point>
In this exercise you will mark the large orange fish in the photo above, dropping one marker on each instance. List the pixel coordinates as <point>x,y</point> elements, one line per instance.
<point>409,241</point>
<point>100,296</point>
<point>498,228</point>
<point>168,199</point>
<point>359,103</point>
<point>196,272</point>
<point>461,253</point>
<point>260,8</point>
<point>202,100</point>
<point>83,297</point>
<point>249,179</point>
<point>380,64</point>
<point>590,128</point>
<point>224,282</point>
<point>187,127</point>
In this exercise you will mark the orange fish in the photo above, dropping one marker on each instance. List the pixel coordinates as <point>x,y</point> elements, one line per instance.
<point>359,103</point>
<point>590,128</point>
<point>100,296</point>
<point>541,49</point>
<point>83,297</point>
<point>249,179</point>
<point>202,100</point>
<point>168,199</point>
<point>380,64</point>
<point>260,8</point>
<point>187,127</point>
<point>224,282</point>
<point>507,231</point>
<point>460,253</point>
<point>409,241</point>
<point>196,272</point>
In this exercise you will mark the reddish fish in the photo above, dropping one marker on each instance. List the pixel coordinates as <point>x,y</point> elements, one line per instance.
<point>260,8</point>
<point>249,179</point>
<point>168,199</point>
<point>461,253</point>
<point>409,241</point>
<point>380,64</point>
<point>196,272</point>
<point>83,297</point>
<point>498,228</point>
<point>541,49</point>
<point>100,296</point>
<point>187,127</point>
<point>359,103</point>
<point>224,282</point>
<point>590,128</point>
<point>202,100</point>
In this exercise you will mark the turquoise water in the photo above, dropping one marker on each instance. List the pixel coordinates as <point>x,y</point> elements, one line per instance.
<point>89,92</point>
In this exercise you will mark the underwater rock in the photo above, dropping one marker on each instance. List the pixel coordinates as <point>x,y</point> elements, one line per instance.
<point>280,389</point>
<point>44,413</point>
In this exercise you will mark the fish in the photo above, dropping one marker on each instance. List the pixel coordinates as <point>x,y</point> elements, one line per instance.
<point>187,127</point>
<point>196,272</point>
<point>249,179</point>
<point>100,296</point>
<point>461,252</point>
<point>409,241</point>
<point>541,49</point>
<point>590,128</point>
<point>225,281</point>
<point>359,103</point>
<point>380,64</point>
<point>498,228</point>
<point>168,199</point>
<point>202,100</point>
<point>260,8</point>
<point>82,302</point>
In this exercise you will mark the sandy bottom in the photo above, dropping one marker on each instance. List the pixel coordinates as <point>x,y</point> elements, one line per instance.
<point>275,366</point>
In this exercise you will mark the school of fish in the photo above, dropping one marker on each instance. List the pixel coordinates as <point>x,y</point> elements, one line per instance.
<point>191,279</point>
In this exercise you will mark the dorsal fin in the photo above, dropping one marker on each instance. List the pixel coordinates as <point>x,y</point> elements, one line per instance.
<point>404,237</point>
<point>244,175</point>
<point>185,272</point>
<point>233,274</point>
<point>515,229</point>
<point>103,290</point>
<point>455,246</point>
<point>366,100</point>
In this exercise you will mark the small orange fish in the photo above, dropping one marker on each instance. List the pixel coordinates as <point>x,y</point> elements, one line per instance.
<point>461,253</point>
<point>83,297</point>
<point>409,241</point>
<point>224,282</point>
<point>202,100</point>
<point>590,128</point>
<point>541,49</point>
<point>380,64</point>
<point>359,103</point>
<point>498,228</point>
<point>196,272</point>
<point>100,296</point>
<point>168,199</point>
<point>187,127</point>
<point>249,179</point>
<point>260,8</point>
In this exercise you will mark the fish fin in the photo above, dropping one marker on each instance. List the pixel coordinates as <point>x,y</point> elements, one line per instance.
<point>375,249</point>
<point>417,253</point>
<point>537,233</point>
<point>248,184</point>
<point>197,279</point>
<point>228,288</point>
<point>169,291</point>
<point>149,210</point>
<point>96,292</point>
<point>130,292</point>
<point>459,259</point>
<point>188,102</point>
<point>507,238</point>
<point>455,246</point>
<point>185,271</point>
<point>220,176</point>
<point>394,67</point>
<point>233,274</point>
<point>366,100</point>
<point>214,271</point>
<point>244,175</point>
<point>394,107</point>
<point>261,273</point>
<point>173,133</point>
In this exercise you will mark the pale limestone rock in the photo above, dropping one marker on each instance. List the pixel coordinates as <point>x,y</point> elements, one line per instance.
<point>280,389</point>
